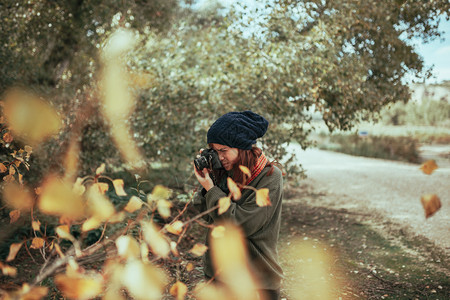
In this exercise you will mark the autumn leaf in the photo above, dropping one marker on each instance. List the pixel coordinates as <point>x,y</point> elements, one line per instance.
<point>100,170</point>
<point>36,225</point>
<point>103,187</point>
<point>164,208</point>
<point>174,228</point>
<point>79,287</point>
<point>224,204</point>
<point>144,252</point>
<point>3,169</point>
<point>429,166</point>
<point>246,171</point>
<point>262,197</point>
<point>218,231</point>
<point>59,251</point>
<point>32,293</point>
<point>190,267</point>
<point>63,231</point>
<point>173,249</point>
<point>8,270</point>
<point>7,137</point>
<point>13,250</point>
<point>17,196</point>
<point>37,243</point>
<point>158,244</point>
<point>127,247</point>
<point>14,216</point>
<point>98,205</point>
<point>179,290</point>
<point>234,190</point>
<point>431,204</point>
<point>133,204</point>
<point>78,187</point>
<point>198,249</point>
<point>118,186</point>
<point>91,224</point>
<point>159,193</point>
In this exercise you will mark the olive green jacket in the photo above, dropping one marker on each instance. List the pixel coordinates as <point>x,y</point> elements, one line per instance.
<point>261,225</point>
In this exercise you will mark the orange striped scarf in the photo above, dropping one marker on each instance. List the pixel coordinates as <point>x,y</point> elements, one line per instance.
<point>259,166</point>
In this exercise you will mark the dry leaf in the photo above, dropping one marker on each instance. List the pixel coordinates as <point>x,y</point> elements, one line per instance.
<point>159,193</point>
<point>57,198</point>
<point>103,187</point>
<point>218,231</point>
<point>37,243</point>
<point>98,205</point>
<point>78,187</point>
<point>133,204</point>
<point>198,249</point>
<point>127,247</point>
<point>224,204</point>
<point>190,267</point>
<point>13,249</point>
<point>12,170</point>
<point>63,231</point>
<point>8,270</point>
<point>14,216</point>
<point>3,169</point>
<point>431,204</point>
<point>144,252</point>
<point>32,293</point>
<point>79,287</point>
<point>164,208</point>
<point>100,169</point>
<point>234,190</point>
<point>30,117</point>
<point>175,228</point>
<point>17,196</point>
<point>173,249</point>
<point>429,166</point>
<point>246,171</point>
<point>59,251</point>
<point>91,224</point>
<point>8,138</point>
<point>36,225</point>
<point>262,197</point>
<point>158,244</point>
<point>118,186</point>
<point>143,281</point>
<point>179,290</point>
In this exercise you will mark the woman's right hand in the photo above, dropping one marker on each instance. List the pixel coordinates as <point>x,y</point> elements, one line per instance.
<point>203,178</point>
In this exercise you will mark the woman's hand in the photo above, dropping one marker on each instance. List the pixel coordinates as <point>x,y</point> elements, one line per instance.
<point>203,178</point>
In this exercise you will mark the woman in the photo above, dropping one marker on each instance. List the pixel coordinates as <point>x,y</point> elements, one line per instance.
<point>233,136</point>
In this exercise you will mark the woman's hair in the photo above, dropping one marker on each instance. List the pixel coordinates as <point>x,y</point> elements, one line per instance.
<point>247,158</point>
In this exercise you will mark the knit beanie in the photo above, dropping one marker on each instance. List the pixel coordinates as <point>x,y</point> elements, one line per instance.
<point>237,129</point>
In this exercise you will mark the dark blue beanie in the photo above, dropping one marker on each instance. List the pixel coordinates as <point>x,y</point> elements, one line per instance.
<point>237,129</point>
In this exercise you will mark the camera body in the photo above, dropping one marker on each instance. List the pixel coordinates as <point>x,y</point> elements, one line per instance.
<point>208,159</point>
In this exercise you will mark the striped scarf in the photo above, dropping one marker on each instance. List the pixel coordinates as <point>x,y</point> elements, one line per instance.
<point>259,166</point>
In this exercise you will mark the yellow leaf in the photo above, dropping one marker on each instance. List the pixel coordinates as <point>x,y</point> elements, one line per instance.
<point>218,231</point>
<point>13,249</point>
<point>118,186</point>
<point>143,281</point>
<point>8,270</point>
<point>78,187</point>
<point>175,228</point>
<point>59,251</point>
<point>127,247</point>
<point>79,287</point>
<point>179,290</point>
<point>57,198</point>
<point>234,190</point>
<point>36,225</point>
<point>133,204</point>
<point>32,293</point>
<point>17,196</point>
<point>159,193</point>
<point>14,216</point>
<point>102,187</point>
<point>198,249</point>
<point>158,244</point>
<point>224,204</point>
<point>262,197</point>
<point>429,166</point>
<point>190,267</point>
<point>37,243</point>
<point>246,171</point>
<point>173,249</point>
<point>28,149</point>
<point>63,231</point>
<point>144,252</point>
<point>29,117</point>
<point>12,170</point>
<point>431,204</point>
<point>98,205</point>
<point>100,169</point>
<point>3,169</point>
<point>90,224</point>
<point>164,208</point>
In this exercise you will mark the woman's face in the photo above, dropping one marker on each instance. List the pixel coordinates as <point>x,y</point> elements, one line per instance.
<point>228,156</point>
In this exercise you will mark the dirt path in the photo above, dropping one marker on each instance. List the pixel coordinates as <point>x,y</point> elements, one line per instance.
<point>388,190</point>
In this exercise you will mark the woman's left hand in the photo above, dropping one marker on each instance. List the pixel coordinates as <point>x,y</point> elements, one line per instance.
<point>203,178</point>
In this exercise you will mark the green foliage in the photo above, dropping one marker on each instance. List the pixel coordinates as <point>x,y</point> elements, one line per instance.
<point>395,148</point>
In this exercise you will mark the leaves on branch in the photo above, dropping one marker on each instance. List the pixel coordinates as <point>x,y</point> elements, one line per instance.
<point>118,186</point>
<point>234,189</point>
<point>133,204</point>
<point>175,228</point>
<point>224,204</point>
<point>36,225</point>
<point>37,243</point>
<point>246,171</point>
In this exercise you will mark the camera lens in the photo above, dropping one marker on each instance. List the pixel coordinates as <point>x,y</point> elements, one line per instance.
<point>201,163</point>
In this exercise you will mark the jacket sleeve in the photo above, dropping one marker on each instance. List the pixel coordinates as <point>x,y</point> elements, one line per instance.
<point>199,202</point>
<point>246,212</point>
